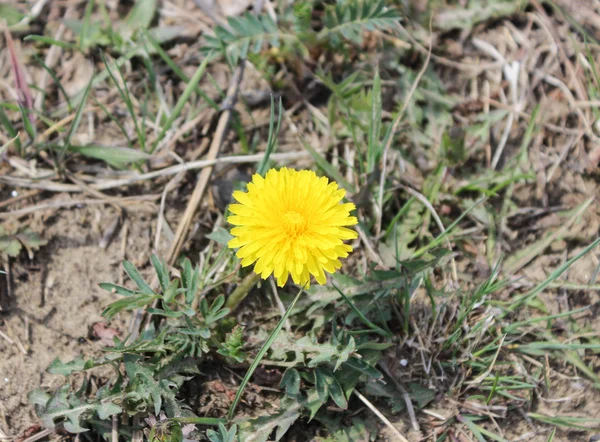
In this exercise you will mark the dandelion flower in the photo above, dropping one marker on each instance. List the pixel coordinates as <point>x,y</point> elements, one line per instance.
<point>291,222</point>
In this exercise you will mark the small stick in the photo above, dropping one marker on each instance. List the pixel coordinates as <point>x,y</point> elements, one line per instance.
<point>383,419</point>
<point>6,337</point>
<point>42,434</point>
<point>61,204</point>
<point>115,428</point>
<point>172,170</point>
<point>123,251</point>
<point>17,198</point>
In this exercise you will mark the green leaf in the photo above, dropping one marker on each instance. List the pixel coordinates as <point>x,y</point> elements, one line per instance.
<point>108,409</point>
<point>65,407</point>
<point>350,19</point>
<point>110,287</point>
<point>11,14</point>
<point>364,367</point>
<point>66,368</point>
<point>249,34</point>
<point>374,149</point>
<point>171,291</point>
<point>321,385</point>
<point>335,391</point>
<point>137,278</point>
<point>11,244</point>
<point>118,157</point>
<point>291,382</point>
<point>77,120</point>
<point>129,303</point>
<point>190,281</point>
<point>259,430</point>
<point>220,236</point>
<point>141,15</point>
<point>272,138</point>
<point>161,272</point>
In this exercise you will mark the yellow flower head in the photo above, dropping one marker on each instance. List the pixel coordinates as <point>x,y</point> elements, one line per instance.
<point>291,222</point>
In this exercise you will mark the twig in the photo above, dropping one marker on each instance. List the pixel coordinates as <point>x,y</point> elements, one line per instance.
<point>18,198</point>
<point>172,170</point>
<point>407,401</point>
<point>86,202</point>
<point>42,434</point>
<point>7,338</point>
<point>383,419</point>
<point>379,212</point>
<point>203,179</point>
<point>115,428</point>
<point>370,248</point>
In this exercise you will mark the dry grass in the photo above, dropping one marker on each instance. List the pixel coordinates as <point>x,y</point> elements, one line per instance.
<point>492,153</point>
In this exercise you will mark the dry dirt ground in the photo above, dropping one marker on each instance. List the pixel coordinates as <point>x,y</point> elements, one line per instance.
<point>54,299</point>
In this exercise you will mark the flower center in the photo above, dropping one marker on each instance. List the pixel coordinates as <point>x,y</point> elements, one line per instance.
<point>294,223</point>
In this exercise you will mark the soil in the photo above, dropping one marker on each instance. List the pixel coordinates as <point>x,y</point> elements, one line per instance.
<point>56,301</point>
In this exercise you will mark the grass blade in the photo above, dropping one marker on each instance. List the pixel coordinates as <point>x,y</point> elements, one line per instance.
<point>187,92</point>
<point>76,121</point>
<point>515,304</point>
<point>272,139</point>
<point>261,354</point>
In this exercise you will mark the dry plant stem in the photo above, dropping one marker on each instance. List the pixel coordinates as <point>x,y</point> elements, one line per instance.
<point>203,179</point>
<point>172,170</point>
<point>41,435</point>
<point>383,419</point>
<point>439,223</point>
<point>407,401</point>
<point>379,212</point>
<point>241,291</point>
<point>85,202</point>
<point>115,428</point>
<point>201,186</point>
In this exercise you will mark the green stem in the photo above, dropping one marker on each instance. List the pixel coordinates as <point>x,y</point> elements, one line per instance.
<point>261,354</point>
<point>241,291</point>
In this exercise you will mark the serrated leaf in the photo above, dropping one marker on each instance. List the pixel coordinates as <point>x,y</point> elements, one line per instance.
<point>248,34</point>
<point>11,244</point>
<point>350,19</point>
<point>66,368</point>
<point>63,406</point>
<point>259,430</point>
<point>108,409</point>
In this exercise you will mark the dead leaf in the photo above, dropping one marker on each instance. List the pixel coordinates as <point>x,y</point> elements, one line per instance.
<point>102,331</point>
